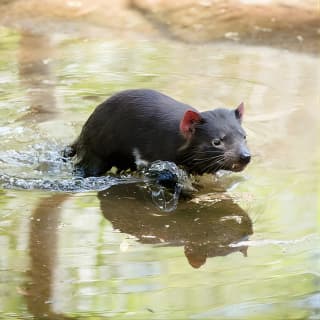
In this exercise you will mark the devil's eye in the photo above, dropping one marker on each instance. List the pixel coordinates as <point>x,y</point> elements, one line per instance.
<point>216,142</point>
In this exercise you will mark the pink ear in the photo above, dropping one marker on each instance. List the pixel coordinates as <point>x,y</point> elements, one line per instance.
<point>188,122</point>
<point>239,111</point>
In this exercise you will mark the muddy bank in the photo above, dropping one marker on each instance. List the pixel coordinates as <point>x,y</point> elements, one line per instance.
<point>290,25</point>
<point>285,24</point>
<point>96,18</point>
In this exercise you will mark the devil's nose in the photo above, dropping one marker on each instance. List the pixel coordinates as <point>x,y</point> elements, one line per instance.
<point>245,157</point>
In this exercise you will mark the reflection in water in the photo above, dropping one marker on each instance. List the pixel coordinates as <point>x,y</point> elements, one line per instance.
<point>36,76</point>
<point>43,253</point>
<point>280,89</point>
<point>204,230</point>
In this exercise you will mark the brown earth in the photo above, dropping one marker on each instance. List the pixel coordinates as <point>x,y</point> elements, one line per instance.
<point>84,16</point>
<point>276,23</point>
<point>282,23</point>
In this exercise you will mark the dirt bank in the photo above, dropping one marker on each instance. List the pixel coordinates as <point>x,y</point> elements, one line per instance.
<point>282,23</point>
<point>288,24</point>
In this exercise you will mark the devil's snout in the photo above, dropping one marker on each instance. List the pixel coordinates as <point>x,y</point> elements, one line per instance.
<point>245,156</point>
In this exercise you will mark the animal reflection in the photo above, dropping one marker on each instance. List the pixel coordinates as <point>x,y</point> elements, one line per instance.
<point>204,230</point>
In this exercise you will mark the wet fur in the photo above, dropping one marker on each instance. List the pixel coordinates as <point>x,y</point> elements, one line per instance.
<point>148,121</point>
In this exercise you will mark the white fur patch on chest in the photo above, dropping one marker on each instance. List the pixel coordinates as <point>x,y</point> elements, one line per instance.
<point>140,163</point>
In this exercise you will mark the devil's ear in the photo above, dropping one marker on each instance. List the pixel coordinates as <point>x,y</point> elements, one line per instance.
<point>188,123</point>
<point>239,111</point>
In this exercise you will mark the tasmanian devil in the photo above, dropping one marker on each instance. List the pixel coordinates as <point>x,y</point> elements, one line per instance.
<point>135,127</point>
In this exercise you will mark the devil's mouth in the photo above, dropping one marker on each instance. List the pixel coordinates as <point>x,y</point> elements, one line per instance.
<point>234,167</point>
<point>237,167</point>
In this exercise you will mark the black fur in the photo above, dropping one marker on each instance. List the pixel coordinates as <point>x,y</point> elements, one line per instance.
<point>148,121</point>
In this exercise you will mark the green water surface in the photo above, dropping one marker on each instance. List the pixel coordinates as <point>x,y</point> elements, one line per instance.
<point>102,256</point>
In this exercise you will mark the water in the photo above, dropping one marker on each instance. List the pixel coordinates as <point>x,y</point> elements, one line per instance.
<point>245,247</point>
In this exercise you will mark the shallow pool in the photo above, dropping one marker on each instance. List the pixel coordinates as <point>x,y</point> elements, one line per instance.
<point>245,247</point>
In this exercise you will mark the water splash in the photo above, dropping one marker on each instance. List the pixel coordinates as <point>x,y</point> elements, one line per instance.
<point>76,184</point>
<point>39,160</point>
<point>165,200</point>
<point>169,175</point>
<point>42,167</point>
<point>169,181</point>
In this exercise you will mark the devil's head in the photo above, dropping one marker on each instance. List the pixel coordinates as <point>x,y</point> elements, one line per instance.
<point>214,140</point>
